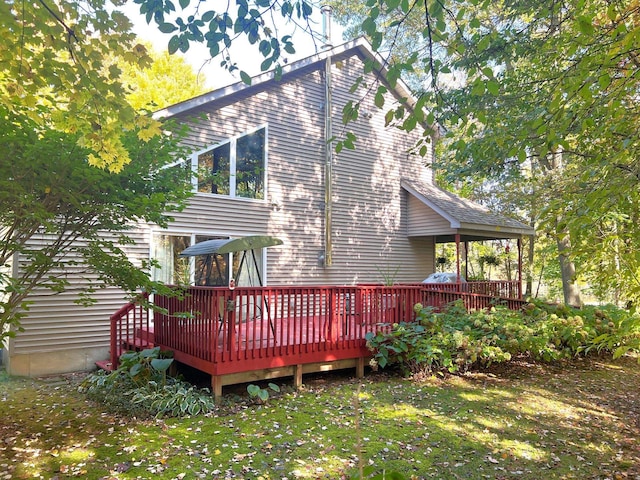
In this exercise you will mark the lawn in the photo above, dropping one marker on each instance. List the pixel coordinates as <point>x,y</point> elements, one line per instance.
<point>574,420</point>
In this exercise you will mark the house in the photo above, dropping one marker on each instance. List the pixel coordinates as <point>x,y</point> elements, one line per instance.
<point>266,165</point>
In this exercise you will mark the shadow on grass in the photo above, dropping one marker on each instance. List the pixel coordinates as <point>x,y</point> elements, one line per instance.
<point>574,420</point>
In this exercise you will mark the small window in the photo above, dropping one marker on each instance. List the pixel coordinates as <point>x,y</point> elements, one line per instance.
<point>236,168</point>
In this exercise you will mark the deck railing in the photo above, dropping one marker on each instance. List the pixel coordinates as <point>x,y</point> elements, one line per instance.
<point>222,331</point>
<point>276,325</point>
<point>492,288</point>
<point>130,327</point>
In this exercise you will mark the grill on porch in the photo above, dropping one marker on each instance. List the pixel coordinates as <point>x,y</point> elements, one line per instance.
<point>252,333</point>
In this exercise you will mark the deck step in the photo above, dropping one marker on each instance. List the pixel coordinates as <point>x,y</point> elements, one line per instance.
<point>136,344</point>
<point>146,333</point>
<point>105,365</point>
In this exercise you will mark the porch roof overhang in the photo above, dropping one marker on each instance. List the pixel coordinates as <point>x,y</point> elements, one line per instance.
<point>443,215</point>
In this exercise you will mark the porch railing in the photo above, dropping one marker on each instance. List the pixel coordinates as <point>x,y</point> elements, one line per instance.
<point>214,329</point>
<point>492,288</point>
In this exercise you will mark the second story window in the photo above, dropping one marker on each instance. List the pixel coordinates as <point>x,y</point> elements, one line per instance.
<point>235,168</point>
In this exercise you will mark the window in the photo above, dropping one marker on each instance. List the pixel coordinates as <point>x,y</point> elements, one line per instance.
<point>211,270</point>
<point>202,270</point>
<point>170,268</point>
<point>235,168</point>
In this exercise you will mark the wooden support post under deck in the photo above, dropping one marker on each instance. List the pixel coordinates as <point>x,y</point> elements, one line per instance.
<point>297,377</point>
<point>360,368</point>
<point>216,387</point>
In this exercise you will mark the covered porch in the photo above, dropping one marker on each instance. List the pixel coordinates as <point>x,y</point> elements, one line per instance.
<point>447,218</point>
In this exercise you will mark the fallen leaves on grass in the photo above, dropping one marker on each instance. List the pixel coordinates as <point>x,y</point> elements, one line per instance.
<point>577,420</point>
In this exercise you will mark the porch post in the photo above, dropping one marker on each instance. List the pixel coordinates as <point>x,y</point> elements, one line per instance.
<point>458,257</point>
<point>466,260</point>
<point>519,267</point>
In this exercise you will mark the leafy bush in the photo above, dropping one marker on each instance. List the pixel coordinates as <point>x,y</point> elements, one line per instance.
<point>141,387</point>
<point>455,340</point>
<point>176,399</point>
<point>262,394</point>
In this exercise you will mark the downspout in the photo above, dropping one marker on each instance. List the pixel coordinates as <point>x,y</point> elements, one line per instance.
<point>328,136</point>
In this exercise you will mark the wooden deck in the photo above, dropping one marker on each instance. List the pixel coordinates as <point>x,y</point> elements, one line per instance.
<point>248,334</point>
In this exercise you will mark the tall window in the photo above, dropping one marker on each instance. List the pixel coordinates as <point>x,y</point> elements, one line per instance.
<point>169,268</point>
<point>235,168</point>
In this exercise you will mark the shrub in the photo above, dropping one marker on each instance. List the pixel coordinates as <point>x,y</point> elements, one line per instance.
<point>455,340</point>
<point>176,399</point>
<point>262,394</point>
<point>141,387</point>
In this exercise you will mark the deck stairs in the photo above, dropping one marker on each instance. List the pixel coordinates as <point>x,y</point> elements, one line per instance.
<point>142,339</point>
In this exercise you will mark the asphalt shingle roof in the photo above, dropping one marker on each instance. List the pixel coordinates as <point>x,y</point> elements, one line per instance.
<point>462,212</point>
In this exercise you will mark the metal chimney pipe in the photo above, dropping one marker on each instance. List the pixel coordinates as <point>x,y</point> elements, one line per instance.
<point>328,143</point>
<point>326,26</point>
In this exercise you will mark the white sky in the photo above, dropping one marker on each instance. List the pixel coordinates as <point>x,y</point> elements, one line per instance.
<point>247,56</point>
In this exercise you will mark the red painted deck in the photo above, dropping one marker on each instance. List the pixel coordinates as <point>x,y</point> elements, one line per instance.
<point>278,331</point>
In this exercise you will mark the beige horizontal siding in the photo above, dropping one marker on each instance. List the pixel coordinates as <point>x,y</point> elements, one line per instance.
<point>57,322</point>
<point>425,221</point>
<point>369,213</point>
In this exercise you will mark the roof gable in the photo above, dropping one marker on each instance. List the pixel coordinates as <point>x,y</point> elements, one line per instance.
<point>464,214</point>
<point>358,47</point>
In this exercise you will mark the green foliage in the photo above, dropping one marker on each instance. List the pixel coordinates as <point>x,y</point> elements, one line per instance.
<point>262,394</point>
<point>141,387</point>
<point>56,69</point>
<point>57,212</point>
<point>534,97</point>
<point>144,366</point>
<point>219,28</point>
<point>388,274</point>
<point>176,399</point>
<point>456,340</point>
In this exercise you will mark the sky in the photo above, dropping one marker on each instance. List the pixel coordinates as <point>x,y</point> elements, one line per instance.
<point>247,56</point>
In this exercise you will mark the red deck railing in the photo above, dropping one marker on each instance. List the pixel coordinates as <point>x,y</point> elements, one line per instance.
<point>130,326</point>
<point>493,288</point>
<point>222,331</point>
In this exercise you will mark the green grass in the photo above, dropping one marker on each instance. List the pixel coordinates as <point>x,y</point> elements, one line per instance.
<point>574,420</point>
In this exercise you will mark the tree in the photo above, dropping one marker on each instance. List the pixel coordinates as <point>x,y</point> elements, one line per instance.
<point>57,212</point>
<point>518,82</point>
<point>166,81</point>
<point>54,70</point>
<point>218,28</point>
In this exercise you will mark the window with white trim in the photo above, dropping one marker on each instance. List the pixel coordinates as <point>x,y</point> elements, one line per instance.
<point>202,270</point>
<point>168,267</point>
<point>236,168</point>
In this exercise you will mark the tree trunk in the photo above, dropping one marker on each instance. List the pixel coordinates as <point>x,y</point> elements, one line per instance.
<point>570,290</point>
<point>568,271</point>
